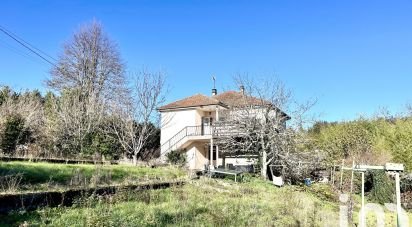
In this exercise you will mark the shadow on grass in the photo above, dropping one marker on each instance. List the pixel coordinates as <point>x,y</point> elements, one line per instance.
<point>18,218</point>
<point>164,218</point>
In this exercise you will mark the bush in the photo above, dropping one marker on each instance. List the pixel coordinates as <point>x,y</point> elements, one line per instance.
<point>176,157</point>
<point>400,143</point>
<point>14,134</point>
<point>370,141</point>
<point>383,188</point>
<point>345,140</point>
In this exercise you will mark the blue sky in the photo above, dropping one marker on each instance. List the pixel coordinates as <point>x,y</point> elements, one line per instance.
<point>354,56</point>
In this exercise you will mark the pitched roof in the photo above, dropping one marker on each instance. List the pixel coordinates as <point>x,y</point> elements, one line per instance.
<point>192,101</point>
<point>228,98</point>
<point>236,99</point>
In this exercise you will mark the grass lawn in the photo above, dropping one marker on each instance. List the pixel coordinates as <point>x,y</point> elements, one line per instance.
<point>35,176</point>
<point>203,202</point>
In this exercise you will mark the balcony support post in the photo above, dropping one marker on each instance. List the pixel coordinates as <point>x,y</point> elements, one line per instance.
<point>217,156</point>
<point>211,166</point>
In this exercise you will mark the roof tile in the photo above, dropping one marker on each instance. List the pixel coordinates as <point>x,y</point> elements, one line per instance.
<point>192,101</point>
<point>228,98</point>
<point>236,99</point>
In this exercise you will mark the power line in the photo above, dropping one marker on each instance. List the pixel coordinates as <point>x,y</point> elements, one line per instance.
<point>26,45</point>
<point>3,43</point>
<point>21,39</point>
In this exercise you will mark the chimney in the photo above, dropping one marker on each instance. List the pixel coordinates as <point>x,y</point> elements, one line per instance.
<point>242,89</point>
<point>214,91</point>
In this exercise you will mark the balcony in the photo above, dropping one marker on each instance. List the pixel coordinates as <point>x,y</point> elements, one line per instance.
<point>187,135</point>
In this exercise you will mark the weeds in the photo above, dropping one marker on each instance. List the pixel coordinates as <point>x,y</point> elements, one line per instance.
<point>254,203</point>
<point>10,183</point>
<point>45,176</point>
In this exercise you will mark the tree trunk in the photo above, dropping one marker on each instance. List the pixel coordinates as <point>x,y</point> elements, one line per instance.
<point>135,159</point>
<point>263,167</point>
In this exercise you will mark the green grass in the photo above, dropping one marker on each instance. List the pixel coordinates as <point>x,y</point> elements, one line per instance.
<point>204,202</point>
<point>43,176</point>
<point>201,203</point>
<point>390,217</point>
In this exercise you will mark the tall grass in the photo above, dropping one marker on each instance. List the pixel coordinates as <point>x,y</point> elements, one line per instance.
<point>10,183</point>
<point>201,203</point>
<point>43,176</point>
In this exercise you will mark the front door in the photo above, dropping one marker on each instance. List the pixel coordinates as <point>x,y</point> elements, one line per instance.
<point>206,125</point>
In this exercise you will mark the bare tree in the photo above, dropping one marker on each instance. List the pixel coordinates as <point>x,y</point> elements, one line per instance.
<point>258,123</point>
<point>27,104</point>
<point>89,75</point>
<point>136,120</point>
<point>91,63</point>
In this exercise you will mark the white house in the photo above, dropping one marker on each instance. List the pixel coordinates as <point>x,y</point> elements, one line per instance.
<point>190,125</point>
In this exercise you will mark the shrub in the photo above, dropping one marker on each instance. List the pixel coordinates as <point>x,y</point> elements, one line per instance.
<point>10,183</point>
<point>400,143</point>
<point>347,139</point>
<point>176,157</point>
<point>14,134</point>
<point>383,188</point>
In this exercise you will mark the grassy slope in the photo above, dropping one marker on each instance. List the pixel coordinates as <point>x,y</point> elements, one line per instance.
<point>201,203</point>
<point>41,176</point>
<point>390,217</point>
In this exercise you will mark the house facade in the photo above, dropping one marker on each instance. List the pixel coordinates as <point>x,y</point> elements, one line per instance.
<point>192,125</point>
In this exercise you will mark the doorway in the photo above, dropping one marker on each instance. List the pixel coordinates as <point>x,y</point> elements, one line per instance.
<point>207,125</point>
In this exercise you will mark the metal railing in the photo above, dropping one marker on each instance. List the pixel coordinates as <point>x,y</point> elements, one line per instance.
<point>217,129</point>
<point>221,129</point>
<point>198,130</point>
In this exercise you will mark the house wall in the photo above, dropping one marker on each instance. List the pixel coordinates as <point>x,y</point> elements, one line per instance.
<point>174,121</point>
<point>202,113</point>
<point>197,156</point>
<point>197,153</point>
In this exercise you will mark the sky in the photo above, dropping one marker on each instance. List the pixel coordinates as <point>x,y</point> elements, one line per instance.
<point>354,57</point>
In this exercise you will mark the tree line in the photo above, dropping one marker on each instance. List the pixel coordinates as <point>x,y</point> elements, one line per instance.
<point>92,108</point>
<point>374,140</point>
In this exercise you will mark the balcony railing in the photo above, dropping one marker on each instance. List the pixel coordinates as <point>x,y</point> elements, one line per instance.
<point>218,129</point>
<point>198,130</point>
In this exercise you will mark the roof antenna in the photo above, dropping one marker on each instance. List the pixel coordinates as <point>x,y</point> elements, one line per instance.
<point>214,82</point>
